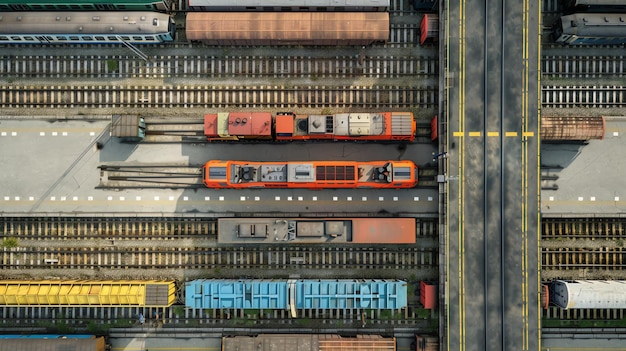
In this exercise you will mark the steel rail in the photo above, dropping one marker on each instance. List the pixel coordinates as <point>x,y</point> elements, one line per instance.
<point>217,96</point>
<point>236,66</point>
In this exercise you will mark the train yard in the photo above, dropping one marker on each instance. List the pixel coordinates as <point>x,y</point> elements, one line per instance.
<point>140,209</point>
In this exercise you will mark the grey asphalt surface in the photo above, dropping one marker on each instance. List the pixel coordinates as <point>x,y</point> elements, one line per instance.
<point>52,167</point>
<point>492,253</point>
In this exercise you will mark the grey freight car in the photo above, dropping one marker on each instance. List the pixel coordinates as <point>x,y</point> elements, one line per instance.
<point>85,27</point>
<point>290,5</point>
<point>591,29</point>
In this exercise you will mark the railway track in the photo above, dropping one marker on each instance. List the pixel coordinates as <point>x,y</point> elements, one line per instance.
<point>584,315</point>
<point>112,257</point>
<point>583,66</point>
<point>583,96</point>
<point>568,258</point>
<point>160,67</point>
<point>133,228</point>
<point>126,317</point>
<point>150,176</point>
<point>174,66</point>
<point>275,97</point>
<point>583,228</point>
<point>403,35</point>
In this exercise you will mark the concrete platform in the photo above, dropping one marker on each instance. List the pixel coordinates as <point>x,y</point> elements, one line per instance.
<point>52,166</point>
<point>590,177</point>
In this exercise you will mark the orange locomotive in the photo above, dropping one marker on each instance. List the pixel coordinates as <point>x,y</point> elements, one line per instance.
<point>309,174</point>
<point>287,126</point>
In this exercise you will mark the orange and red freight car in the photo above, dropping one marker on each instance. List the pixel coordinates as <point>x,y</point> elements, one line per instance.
<point>288,126</point>
<point>288,231</point>
<point>309,174</point>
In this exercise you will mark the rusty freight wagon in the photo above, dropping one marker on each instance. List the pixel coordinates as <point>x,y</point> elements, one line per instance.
<point>557,129</point>
<point>288,28</point>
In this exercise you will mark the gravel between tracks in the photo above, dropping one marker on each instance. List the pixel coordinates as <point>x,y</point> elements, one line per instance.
<point>190,274</point>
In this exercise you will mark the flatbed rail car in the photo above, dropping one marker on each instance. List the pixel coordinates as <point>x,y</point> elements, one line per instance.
<point>102,27</point>
<point>287,28</point>
<point>84,5</point>
<point>591,29</point>
<point>316,231</point>
<point>308,342</point>
<point>291,5</point>
<point>288,126</point>
<point>309,174</point>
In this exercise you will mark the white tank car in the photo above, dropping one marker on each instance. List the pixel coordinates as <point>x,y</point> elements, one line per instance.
<point>598,294</point>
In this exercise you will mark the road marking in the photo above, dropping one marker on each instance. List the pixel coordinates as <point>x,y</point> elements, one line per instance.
<point>528,134</point>
<point>475,134</point>
<point>511,134</point>
<point>458,134</point>
<point>493,134</point>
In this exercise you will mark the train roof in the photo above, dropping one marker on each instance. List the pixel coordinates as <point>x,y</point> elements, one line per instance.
<point>87,293</point>
<point>215,293</point>
<point>595,24</point>
<point>307,174</point>
<point>589,294</point>
<point>316,230</point>
<point>428,294</point>
<point>289,3</point>
<point>238,123</point>
<point>285,28</point>
<point>299,294</point>
<point>332,294</point>
<point>101,22</point>
<point>308,342</point>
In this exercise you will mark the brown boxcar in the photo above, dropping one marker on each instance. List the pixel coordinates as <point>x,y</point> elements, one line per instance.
<point>308,342</point>
<point>288,28</point>
<point>572,128</point>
